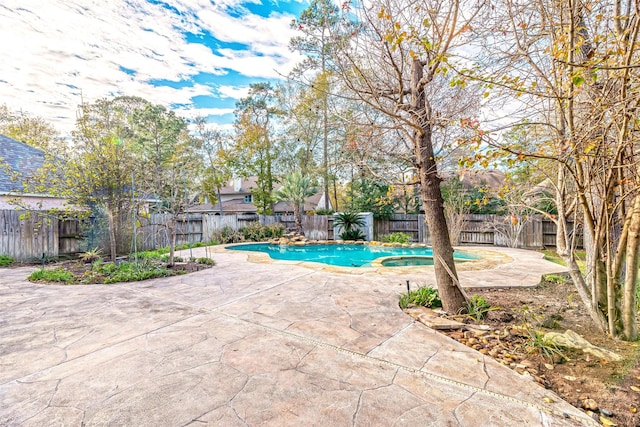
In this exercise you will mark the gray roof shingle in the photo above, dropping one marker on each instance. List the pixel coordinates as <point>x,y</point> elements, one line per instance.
<point>21,158</point>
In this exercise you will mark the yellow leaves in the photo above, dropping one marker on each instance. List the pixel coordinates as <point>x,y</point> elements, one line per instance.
<point>606,421</point>
<point>548,400</point>
<point>634,388</point>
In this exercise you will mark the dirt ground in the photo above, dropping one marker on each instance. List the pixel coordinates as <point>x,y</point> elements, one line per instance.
<point>608,391</point>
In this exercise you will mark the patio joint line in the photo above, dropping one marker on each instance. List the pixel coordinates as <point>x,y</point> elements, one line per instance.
<point>416,371</point>
<point>394,365</point>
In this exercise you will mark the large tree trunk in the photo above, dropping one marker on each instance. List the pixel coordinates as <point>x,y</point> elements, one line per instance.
<point>631,275</point>
<point>451,293</point>
<point>112,235</point>
<point>564,249</point>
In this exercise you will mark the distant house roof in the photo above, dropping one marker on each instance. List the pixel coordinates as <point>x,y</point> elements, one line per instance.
<point>23,160</point>
<point>241,188</point>
<point>491,179</point>
<point>239,206</point>
<point>240,185</point>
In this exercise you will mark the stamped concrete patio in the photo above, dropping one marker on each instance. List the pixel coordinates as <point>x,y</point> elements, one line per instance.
<point>243,343</point>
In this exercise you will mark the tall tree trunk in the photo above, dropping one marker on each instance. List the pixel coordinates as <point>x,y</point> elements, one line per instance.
<point>220,201</point>
<point>112,235</point>
<point>172,239</point>
<point>451,293</point>
<point>297,216</point>
<point>631,275</point>
<point>563,248</point>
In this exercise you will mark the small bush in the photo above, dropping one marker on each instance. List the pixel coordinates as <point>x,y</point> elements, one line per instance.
<point>227,235</point>
<point>323,211</point>
<point>205,261</point>
<point>353,234</point>
<point>165,258</point>
<point>555,279</point>
<point>537,343</point>
<point>58,274</point>
<point>424,296</point>
<point>133,271</point>
<point>477,307</point>
<point>397,237</point>
<point>6,260</point>
<point>90,256</point>
<point>256,232</point>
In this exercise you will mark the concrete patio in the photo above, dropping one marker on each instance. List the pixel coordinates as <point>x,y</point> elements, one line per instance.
<point>244,343</point>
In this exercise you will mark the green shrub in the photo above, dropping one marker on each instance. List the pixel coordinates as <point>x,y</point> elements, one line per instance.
<point>57,274</point>
<point>397,237</point>
<point>6,260</point>
<point>477,307</point>
<point>256,232</point>
<point>353,234</point>
<point>205,261</point>
<point>155,254</point>
<point>90,256</point>
<point>189,246</point>
<point>424,296</point>
<point>323,211</point>
<point>165,258</point>
<point>133,271</point>
<point>226,235</point>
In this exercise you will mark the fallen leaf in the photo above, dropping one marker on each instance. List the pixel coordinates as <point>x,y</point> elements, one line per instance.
<point>548,400</point>
<point>633,410</point>
<point>634,388</point>
<point>569,378</point>
<point>549,366</point>
<point>606,421</point>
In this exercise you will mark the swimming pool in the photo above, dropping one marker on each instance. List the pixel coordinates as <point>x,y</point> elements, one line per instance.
<point>346,255</point>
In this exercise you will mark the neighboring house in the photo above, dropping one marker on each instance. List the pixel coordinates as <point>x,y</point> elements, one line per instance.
<point>470,180</point>
<point>236,198</point>
<point>19,161</point>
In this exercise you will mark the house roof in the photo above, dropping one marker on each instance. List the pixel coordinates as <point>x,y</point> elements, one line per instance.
<point>21,159</point>
<point>238,205</point>
<point>246,184</point>
<point>492,179</point>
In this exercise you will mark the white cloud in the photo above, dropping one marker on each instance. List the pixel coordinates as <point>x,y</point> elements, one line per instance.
<point>58,52</point>
<point>235,92</point>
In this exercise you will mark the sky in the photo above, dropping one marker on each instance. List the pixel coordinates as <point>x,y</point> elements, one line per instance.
<point>196,57</point>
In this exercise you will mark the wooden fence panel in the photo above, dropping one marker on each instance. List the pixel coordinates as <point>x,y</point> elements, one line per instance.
<point>70,236</point>
<point>25,239</point>
<point>213,223</point>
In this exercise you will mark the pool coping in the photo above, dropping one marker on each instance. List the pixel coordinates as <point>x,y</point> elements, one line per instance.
<point>488,259</point>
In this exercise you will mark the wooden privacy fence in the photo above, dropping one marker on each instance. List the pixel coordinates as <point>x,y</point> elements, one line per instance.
<point>537,232</point>
<point>26,237</point>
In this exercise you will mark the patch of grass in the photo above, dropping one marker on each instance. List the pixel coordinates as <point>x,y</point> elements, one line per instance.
<point>424,296</point>
<point>6,260</point>
<point>132,271</point>
<point>58,274</point>
<point>478,307</point>
<point>555,279</point>
<point>580,255</point>
<point>536,343</point>
<point>397,237</point>
<point>91,256</point>
<point>205,261</point>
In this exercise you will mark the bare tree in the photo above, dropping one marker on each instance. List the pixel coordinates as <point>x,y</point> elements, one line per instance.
<point>396,63</point>
<point>574,65</point>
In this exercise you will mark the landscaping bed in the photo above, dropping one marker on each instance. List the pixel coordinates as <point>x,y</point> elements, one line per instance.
<point>512,333</point>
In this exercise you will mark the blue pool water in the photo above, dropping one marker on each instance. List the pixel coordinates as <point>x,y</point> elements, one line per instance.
<point>344,255</point>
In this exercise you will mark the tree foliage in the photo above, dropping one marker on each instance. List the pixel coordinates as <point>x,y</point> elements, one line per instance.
<point>574,66</point>
<point>296,188</point>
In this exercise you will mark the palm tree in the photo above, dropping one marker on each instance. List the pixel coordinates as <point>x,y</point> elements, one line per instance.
<point>296,187</point>
<point>350,222</point>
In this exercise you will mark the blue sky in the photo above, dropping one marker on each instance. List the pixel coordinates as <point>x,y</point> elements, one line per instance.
<point>195,56</point>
